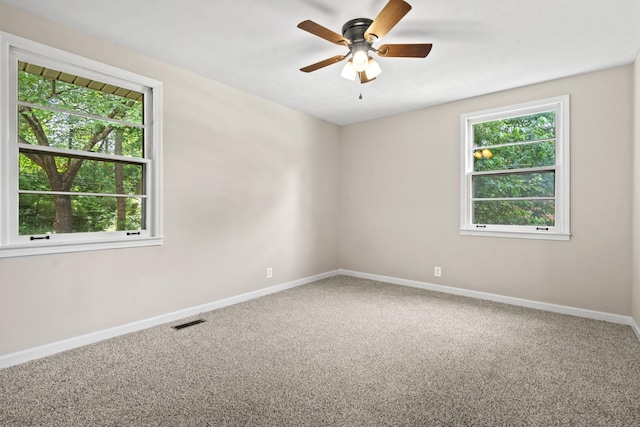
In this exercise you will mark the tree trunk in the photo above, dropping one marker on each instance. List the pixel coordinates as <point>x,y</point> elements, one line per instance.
<point>63,222</point>
<point>121,202</point>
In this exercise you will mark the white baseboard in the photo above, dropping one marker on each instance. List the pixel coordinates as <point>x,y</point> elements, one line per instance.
<point>635,328</point>
<point>71,343</point>
<point>573,311</point>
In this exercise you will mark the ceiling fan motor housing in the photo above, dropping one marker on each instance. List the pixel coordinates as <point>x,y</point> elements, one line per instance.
<point>354,31</point>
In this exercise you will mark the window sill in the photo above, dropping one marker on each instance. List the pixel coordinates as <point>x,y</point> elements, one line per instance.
<point>43,249</point>
<point>516,234</point>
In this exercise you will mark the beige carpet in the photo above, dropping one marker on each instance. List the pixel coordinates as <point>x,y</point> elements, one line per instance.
<point>342,352</point>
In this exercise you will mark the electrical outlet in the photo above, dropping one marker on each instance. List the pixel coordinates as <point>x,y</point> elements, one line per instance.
<point>437,271</point>
<point>269,273</point>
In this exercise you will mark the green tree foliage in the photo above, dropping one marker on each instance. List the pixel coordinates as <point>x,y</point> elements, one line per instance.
<point>515,144</point>
<point>49,121</point>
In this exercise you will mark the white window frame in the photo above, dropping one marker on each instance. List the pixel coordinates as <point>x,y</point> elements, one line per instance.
<point>12,49</point>
<point>561,230</point>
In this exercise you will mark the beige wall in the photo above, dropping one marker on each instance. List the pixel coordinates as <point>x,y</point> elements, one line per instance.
<point>399,201</point>
<point>636,196</point>
<point>248,184</point>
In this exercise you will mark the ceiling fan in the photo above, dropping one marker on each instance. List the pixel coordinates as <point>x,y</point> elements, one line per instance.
<point>359,35</point>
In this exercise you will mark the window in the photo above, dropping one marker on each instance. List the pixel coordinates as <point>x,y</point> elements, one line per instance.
<point>80,153</point>
<point>515,171</point>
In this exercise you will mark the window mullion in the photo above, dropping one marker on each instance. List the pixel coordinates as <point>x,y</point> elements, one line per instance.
<point>514,171</point>
<point>494,199</point>
<point>89,155</point>
<point>512,144</point>
<point>80,114</point>
<point>78,193</point>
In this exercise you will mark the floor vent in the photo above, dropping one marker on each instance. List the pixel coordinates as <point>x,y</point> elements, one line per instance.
<point>186,325</point>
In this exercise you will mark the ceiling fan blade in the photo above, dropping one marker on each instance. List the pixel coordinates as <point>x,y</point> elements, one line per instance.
<point>322,64</point>
<point>388,17</point>
<point>405,50</point>
<point>322,32</point>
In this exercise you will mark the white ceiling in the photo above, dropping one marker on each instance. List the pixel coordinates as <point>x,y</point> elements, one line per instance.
<point>479,46</point>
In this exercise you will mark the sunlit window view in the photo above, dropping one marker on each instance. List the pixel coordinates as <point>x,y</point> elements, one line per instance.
<point>81,154</point>
<point>513,178</point>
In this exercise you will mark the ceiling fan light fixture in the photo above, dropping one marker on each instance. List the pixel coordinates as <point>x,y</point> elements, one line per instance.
<point>359,36</point>
<point>348,71</point>
<point>360,59</point>
<point>373,70</point>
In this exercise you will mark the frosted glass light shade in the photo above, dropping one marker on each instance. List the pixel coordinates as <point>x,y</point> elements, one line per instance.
<point>373,69</point>
<point>360,60</point>
<point>348,72</point>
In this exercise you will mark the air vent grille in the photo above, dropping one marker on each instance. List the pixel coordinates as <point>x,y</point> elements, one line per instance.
<point>186,325</point>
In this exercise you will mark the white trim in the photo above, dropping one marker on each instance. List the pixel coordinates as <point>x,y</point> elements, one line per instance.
<point>561,230</point>
<point>513,144</point>
<point>89,155</point>
<point>555,308</point>
<point>39,52</point>
<point>75,342</point>
<point>78,193</point>
<point>636,328</point>
<point>79,114</point>
<point>516,234</point>
<point>515,171</point>
<point>13,48</point>
<point>61,248</point>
